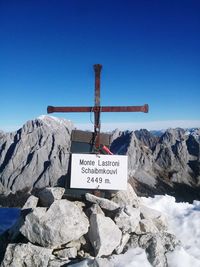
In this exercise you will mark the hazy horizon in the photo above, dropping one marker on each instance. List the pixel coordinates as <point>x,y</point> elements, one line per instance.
<point>110,126</point>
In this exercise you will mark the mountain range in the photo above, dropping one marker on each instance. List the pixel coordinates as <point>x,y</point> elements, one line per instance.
<point>38,155</point>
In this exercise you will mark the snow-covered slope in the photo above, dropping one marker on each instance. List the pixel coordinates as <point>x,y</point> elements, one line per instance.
<point>54,122</point>
<point>183,219</point>
<point>184,222</point>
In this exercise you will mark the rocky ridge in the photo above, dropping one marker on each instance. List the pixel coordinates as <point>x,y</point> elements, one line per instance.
<point>167,164</point>
<point>84,233</point>
<point>37,155</point>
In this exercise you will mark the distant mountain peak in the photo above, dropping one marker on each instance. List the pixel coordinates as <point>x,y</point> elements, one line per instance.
<point>55,120</point>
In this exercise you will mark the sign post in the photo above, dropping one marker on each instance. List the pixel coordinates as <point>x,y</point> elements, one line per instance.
<point>101,172</point>
<point>96,171</point>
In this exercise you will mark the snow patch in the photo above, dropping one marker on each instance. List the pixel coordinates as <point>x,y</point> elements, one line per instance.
<point>180,258</point>
<point>49,120</point>
<point>132,258</point>
<point>183,220</point>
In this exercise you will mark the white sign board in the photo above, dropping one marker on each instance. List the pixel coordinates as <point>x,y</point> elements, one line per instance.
<point>99,171</point>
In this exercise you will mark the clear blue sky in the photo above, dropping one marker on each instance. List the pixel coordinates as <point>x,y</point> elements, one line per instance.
<point>150,52</point>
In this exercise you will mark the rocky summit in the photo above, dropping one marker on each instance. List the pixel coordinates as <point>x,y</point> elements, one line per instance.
<point>56,230</point>
<point>166,164</point>
<point>37,156</point>
<point>85,233</point>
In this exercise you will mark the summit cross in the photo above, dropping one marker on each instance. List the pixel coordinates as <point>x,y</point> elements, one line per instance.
<point>97,108</point>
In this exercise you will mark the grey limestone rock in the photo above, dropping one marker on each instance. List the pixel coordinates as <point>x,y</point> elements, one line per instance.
<point>36,155</point>
<point>31,203</point>
<point>133,241</point>
<point>104,234</point>
<point>156,252</point>
<point>124,241</point>
<point>18,255</point>
<point>2,189</point>
<point>94,209</point>
<point>170,242</point>
<point>49,194</point>
<point>177,158</point>
<point>140,159</point>
<point>79,204</point>
<point>147,226</point>
<point>102,202</point>
<point>60,224</point>
<point>147,138</point>
<point>127,219</point>
<point>75,243</point>
<point>173,158</point>
<point>158,218</point>
<point>157,245</point>
<point>63,228</point>
<point>126,197</point>
<point>66,253</point>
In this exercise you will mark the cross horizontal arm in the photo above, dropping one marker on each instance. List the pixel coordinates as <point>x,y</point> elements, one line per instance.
<point>144,108</point>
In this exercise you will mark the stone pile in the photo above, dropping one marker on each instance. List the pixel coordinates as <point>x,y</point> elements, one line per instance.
<point>54,231</point>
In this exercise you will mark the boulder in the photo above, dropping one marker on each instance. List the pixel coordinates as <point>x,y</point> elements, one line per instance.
<point>76,243</point>
<point>147,226</point>
<point>126,197</point>
<point>18,255</point>
<point>31,203</point>
<point>170,242</point>
<point>102,202</point>
<point>156,252</point>
<point>63,228</point>
<point>124,240</point>
<point>127,219</point>
<point>66,253</point>
<point>104,234</point>
<point>157,245</point>
<point>49,194</point>
<point>133,242</point>
<point>79,204</point>
<point>94,209</point>
<point>60,224</point>
<point>154,248</point>
<point>158,218</point>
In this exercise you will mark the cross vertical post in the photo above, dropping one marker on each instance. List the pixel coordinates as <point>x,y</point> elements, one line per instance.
<point>97,111</point>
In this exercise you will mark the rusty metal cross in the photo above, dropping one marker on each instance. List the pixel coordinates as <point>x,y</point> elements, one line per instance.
<point>97,108</point>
